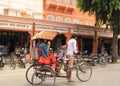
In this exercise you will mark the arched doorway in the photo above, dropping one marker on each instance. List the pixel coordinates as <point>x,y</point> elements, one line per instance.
<point>85,43</point>
<point>59,40</point>
<point>10,39</point>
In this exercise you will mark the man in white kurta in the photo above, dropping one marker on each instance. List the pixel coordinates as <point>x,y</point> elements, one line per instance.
<point>71,49</point>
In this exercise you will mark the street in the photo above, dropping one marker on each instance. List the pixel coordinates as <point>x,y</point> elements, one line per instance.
<point>108,76</point>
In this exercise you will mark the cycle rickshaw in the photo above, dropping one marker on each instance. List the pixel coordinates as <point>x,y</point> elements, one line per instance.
<point>43,75</point>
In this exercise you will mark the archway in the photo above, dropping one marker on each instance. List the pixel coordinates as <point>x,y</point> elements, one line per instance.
<point>9,40</point>
<point>59,40</point>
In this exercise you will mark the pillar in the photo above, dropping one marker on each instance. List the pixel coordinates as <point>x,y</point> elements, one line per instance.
<point>95,43</point>
<point>30,44</point>
<point>68,35</point>
<point>32,33</point>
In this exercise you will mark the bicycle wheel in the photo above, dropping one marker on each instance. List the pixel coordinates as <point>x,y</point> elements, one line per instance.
<point>21,63</point>
<point>103,61</point>
<point>84,71</point>
<point>30,71</point>
<point>12,63</point>
<point>43,77</point>
<point>1,65</point>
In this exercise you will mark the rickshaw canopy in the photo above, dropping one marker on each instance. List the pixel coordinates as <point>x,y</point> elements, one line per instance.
<point>50,35</point>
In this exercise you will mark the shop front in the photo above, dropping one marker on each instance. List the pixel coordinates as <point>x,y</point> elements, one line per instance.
<point>85,39</point>
<point>14,37</point>
<point>10,40</point>
<point>104,41</point>
<point>21,30</point>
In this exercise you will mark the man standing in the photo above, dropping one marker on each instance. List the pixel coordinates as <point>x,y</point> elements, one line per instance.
<point>71,49</point>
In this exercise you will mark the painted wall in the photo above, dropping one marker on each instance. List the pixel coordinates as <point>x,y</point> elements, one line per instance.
<point>67,11</point>
<point>22,8</point>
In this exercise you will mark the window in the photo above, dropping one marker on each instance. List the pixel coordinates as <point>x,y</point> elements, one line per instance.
<point>50,18</point>
<point>59,19</point>
<point>71,1</point>
<point>37,16</point>
<point>67,20</point>
<point>62,0</point>
<point>11,12</point>
<point>87,23</point>
<point>75,21</point>
<point>81,22</point>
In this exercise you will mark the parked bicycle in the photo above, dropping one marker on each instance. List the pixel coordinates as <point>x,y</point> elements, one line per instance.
<point>100,59</point>
<point>95,59</point>
<point>19,56</point>
<point>2,60</point>
<point>2,63</point>
<point>12,62</point>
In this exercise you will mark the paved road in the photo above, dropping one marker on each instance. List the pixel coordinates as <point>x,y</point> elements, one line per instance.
<point>108,76</point>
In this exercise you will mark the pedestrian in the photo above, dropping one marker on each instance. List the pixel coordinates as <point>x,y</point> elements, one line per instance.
<point>102,50</point>
<point>49,45</point>
<point>71,49</point>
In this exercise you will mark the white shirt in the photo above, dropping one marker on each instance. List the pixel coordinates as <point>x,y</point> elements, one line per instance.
<point>71,48</point>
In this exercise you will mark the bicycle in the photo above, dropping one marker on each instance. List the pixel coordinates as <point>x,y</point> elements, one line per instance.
<point>40,74</point>
<point>82,68</point>
<point>12,63</point>
<point>99,59</point>
<point>43,76</point>
<point>30,70</point>
<point>2,63</point>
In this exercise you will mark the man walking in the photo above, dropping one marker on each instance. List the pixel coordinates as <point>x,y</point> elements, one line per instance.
<point>71,49</point>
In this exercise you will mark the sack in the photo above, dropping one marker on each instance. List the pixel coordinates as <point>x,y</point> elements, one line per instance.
<point>52,57</point>
<point>43,60</point>
<point>52,60</point>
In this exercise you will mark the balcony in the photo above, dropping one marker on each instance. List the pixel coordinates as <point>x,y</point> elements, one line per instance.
<point>57,5</point>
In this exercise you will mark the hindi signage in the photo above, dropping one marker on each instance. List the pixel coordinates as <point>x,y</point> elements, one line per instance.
<point>84,32</point>
<point>105,34</point>
<point>57,29</point>
<point>15,25</point>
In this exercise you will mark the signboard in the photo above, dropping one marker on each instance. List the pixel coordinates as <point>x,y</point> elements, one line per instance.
<point>64,30</point>
<point>15,25</point>
<point>105,34</point>
<point>84,32</point>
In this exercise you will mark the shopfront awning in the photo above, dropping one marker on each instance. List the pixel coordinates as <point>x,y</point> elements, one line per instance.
<point>50,35</point>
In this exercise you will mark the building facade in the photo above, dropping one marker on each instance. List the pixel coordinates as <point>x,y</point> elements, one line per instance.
<point>22,8</point>
<point>21,20</point>
<point>64,11</point>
